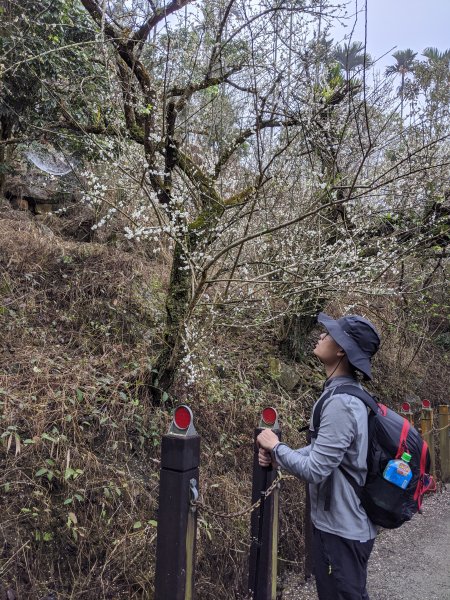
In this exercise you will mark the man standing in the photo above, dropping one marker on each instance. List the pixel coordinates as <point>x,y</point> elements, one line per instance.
<point>343,535</point>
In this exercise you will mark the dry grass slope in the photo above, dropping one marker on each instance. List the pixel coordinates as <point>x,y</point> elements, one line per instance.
<point>79,324</point>
<point>79,455</point>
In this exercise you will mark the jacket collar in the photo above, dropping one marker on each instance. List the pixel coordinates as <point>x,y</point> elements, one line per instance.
<point>341,380</point>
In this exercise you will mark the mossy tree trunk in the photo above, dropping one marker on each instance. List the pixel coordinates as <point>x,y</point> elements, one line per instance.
<point>297,331</point>
<point>6,128</point>
<point>177,307</point>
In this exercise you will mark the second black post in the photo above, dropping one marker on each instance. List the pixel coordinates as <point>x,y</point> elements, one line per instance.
<point>264,521</point>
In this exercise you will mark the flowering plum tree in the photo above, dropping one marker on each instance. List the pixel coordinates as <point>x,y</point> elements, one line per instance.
<point>238,146</point>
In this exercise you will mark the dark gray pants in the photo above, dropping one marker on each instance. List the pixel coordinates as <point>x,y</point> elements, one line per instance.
<point>340,566</point>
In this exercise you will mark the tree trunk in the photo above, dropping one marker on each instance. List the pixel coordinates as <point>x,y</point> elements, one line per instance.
<point>297,329</point>
<point>6,128</point>
<point>177,306</point>
<point>401,98</point>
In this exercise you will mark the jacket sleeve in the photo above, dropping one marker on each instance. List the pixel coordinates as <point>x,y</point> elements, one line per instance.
<point>336,433</point>
<point>300,451</point>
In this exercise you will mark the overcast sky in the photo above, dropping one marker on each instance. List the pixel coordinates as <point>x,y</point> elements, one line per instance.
<point>414,24</point>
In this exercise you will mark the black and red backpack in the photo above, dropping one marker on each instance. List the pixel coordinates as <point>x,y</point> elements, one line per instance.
<point>390,435</point>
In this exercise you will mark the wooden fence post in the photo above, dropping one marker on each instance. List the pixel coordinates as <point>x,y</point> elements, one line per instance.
<point>407,412</point>
<point>426,425</point>
<point>444,446</point>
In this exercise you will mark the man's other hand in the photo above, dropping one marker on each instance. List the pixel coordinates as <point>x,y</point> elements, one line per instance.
<point>264,458</point>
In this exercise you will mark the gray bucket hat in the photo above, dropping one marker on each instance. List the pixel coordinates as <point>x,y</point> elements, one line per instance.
<point>356,336</point>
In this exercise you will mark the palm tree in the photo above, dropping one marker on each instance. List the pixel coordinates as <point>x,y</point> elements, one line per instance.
<point>433,77</point>
<point>436,56</point>
<point>404,65</point>
<point>351,57</point>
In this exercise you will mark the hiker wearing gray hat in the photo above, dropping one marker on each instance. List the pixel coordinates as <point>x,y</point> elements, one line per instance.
<point>357,337</point>
<point>343,535</point>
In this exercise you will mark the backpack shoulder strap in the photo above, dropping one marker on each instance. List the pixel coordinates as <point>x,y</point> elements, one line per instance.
<point>354,390</point>
<point>351,390</point>
<point>369,401</point>
<point>318,411</point>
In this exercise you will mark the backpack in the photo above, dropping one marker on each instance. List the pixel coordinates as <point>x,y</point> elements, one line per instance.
<point>390,435</point>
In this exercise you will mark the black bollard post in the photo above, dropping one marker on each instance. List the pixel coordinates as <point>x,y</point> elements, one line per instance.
<point>307,528</point>
<point>262,580</point>
<point>177,518</point>
<point>307,535</point>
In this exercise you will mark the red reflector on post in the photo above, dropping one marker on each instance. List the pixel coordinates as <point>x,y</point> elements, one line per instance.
<point>269,416</point>
<point>426,404</point>
<point>182,417</point>
<point>406,407</point>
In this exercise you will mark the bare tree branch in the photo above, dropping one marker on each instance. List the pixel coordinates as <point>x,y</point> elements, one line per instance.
<point>159,15</point>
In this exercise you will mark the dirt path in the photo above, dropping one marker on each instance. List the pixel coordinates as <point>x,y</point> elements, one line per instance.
<point>410,562</point>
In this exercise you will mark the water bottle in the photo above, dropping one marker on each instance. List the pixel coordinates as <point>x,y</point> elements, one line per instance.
<point>398,471</point>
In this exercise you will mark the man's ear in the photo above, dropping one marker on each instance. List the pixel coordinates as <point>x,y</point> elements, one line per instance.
<point>340,352</point>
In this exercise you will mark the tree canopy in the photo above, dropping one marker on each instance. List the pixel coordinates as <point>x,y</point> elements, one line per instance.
<point>227,135</point>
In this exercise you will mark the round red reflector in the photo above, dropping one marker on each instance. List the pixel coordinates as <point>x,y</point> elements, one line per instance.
<point>406,407</point>
<point>269,415</point>
<point>426,404</point>
<point>182,417</point>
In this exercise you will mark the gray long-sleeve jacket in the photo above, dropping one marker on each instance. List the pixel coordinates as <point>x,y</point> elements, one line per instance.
<point>342,439</point>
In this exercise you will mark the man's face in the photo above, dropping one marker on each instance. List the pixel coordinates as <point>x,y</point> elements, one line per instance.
<point>326,350</point>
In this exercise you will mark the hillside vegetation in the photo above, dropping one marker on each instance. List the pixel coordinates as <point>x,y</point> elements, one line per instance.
<point>80,437</point>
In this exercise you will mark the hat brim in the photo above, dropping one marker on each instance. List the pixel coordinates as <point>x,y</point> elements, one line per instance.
<point>353,352</point>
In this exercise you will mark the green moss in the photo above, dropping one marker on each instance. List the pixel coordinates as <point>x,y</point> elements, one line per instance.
<point>137,133</point>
